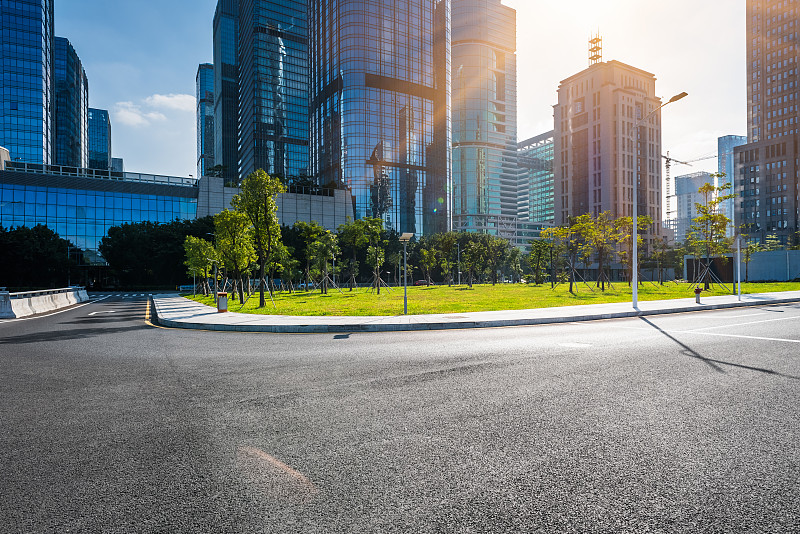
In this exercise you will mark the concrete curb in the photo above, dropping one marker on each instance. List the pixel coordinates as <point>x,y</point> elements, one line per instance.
<point>356,327</point>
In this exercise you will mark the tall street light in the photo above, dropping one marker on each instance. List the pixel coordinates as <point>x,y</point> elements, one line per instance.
<point>404,239</point>
<point>635,232</point>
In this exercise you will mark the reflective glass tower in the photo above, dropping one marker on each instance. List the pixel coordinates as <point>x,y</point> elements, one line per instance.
<point>726,166</point>
<point>485,172</point>
<point>26,85</point>
<point>226,89</point>
<point>273,87</point>
<point>71,116</point>
<point>205,118</point>
<point>536,179</point>
<point>99,139</point>
<point>380,108</point>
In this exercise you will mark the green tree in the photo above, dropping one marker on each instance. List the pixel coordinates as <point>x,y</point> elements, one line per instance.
<point>235,245</point>
<point>376,253</point>
<point>496,252</point>
<point>514,263</point>
<point>308,234</point>
<point>428,259</point>
<point>772,242</point>
<point>566,240</point>
<point>598,237</point>
<point>199,256</point>
<point>624,236</point>
<point>474,256</point>
<point>257,202</point>
<point>537,258</point>
<point>708,231</point>
<point>353,236</point>
<point>321,252</point>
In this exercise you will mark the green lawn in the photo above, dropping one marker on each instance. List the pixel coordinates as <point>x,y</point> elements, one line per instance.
<point>460,299</point>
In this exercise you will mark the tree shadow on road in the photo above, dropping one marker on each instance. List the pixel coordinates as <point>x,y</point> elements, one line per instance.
<point>67,335</point>
<point>716,365</point>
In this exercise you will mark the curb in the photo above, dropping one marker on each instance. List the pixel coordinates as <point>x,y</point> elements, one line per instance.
<point>410,327</point>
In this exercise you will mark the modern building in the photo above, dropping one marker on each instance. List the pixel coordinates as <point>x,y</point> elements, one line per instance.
<point>99,139</point>
<point>380,108</point>
<point>226,89</point>
<point>26,84</point>
<point>71,110</point>
<point>536,179</point>
<point>117,165</point>
<point>687,197</point>
<point>598,154</point>
<point>273,87</point>
<point>485,171</point>
<point>205,118</point>
<point>727,166</point>
<point>766,181</point>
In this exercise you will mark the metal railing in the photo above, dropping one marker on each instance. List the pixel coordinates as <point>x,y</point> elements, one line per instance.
<point>28,294</point>
<point>99,174</point>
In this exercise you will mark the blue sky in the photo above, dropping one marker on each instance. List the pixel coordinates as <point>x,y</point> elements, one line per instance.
<point>141,59</point>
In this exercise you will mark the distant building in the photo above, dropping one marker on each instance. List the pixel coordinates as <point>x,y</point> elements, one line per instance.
<point>117,165</point>
<point>597,152</point>
<point>26,84</point>
<point>536,179</point>
<point>727,166</point>
<point>226,89</point>
<point>205,118</point>
<point>686,199</point>
<point>380,113</point>
<point>71,107</point>
<point>99,139</point>
<point>485,172</point>
<point>767,166</point>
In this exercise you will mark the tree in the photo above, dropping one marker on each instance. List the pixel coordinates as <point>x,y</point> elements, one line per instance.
<point>373,229</point>
<point>566,240</point>
<point>496,251</point>
<point>660,251</point>
<point>540,251</point>
<point>308,234</point>
<point>257,202</point>
<point>772,242</point>
<point>624,230</point>
<point>235,245</point>
<point>353,235</point>
<point>473,256</point>
<point>428,259</point>
<point>320,253</point>
<point>514,263</point>
<point>747,255</point>
<point>708,231</point>
<point>598,235</point>
<point>35,258</point>
<point>199,255</point>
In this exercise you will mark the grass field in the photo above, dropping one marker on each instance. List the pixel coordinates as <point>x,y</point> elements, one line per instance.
<point>460,299</point>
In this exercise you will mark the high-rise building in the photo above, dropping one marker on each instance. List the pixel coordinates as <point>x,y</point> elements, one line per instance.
<point>99,139</point>
<point>536,190</point>
<point>687,196</point>
<point>226,89</point>
<point>380,108</point>
<point>597,150</point>
<point>485,172</point>
<point>273,87</point>
<point>726,166</point>
<point>205,118</point>
<point>26,84</point>
<point>117,165</point>
<point>766,181</point>
<point>71,110</point>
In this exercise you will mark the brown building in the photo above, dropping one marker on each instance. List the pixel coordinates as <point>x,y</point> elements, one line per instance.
<point>596,148</point>
<point>766,180</point>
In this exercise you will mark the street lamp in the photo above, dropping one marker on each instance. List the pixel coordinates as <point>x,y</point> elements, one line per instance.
<point>404,239</point>
<point>635,232</point>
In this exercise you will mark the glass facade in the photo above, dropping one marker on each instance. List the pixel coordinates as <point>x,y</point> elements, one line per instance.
<point>485,171</point>
<point>273,87</point>
<point>536,179</point>
<point>71,116</point>
<point>726,166</point>
<point>226,89</point>
<point>82,204</point>
<point>26,85</point>
<point>205,118</point>
<point>380,108</point>
<point>99,139</point>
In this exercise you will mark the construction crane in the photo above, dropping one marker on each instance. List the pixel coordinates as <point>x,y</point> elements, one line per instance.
<point>668,165</point>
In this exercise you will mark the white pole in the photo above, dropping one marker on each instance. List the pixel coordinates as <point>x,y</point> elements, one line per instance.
<point>635,237</point>
<point>739,266</point>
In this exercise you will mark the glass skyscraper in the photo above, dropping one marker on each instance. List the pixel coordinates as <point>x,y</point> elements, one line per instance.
<point>380,108</point>
<point>71,109</point>
<point>26,86</point>
<point>485,172</point>
<point>226,89</point>
<point>536,179</point>
<point>99,139</point>
<point>205,118</point>
<point>273,87</point>
<point>727,166</point>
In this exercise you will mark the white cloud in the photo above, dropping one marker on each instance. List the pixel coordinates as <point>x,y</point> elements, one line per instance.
<point>131,114</point>
<point>179,102</point>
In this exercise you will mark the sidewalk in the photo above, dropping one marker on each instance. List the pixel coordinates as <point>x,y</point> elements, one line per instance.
<point>177,312</point>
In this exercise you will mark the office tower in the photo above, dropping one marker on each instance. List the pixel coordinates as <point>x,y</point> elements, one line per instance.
<point>726,165</point>
<point>597,150</point>
<point>766,180</point>
<point>205,118</point>
<point>380,108</point>
<point>536,190</point>
<point>117,165</point>
<point>485,172</point>
<point>687,196</point>
<point>26,85</point>
<point>226,89</point>
<point>273,87</point>
<point>71,110</point>
<point>99,139</point>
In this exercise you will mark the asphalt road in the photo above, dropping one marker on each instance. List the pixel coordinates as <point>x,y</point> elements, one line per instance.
<point>685,423</point>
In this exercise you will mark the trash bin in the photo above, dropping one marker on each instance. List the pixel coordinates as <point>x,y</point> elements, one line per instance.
<point>222,302</point>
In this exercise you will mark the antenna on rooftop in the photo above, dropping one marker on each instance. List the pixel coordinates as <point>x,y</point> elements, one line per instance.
<point>595,49</point>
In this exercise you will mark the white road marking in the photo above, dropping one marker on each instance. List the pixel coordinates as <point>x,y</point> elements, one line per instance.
<point>744,324</point>
<point>95,313</point>
<point>575,345</point>
<point>746,337</point>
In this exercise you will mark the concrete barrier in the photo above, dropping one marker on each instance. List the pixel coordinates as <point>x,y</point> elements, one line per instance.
<point>16,305</point>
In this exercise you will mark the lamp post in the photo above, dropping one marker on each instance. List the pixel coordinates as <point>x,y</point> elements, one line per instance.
<point>635,231</point>
<point>404,239</point>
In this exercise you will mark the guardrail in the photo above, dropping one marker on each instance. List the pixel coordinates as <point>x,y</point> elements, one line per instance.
<point>26,303</point>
